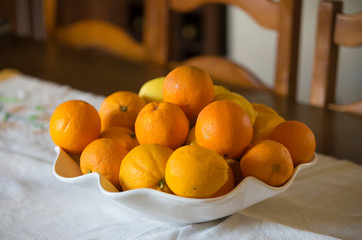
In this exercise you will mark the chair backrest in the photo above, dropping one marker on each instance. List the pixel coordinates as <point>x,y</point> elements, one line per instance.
<point>334,29</point>
<point>93,32</point>
<point>283,17</point>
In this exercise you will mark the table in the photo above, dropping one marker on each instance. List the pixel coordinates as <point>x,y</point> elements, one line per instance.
<point>324,201</point>
<point>337,134</point>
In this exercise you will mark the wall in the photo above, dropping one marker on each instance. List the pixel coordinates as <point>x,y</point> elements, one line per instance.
<point>253,46</point>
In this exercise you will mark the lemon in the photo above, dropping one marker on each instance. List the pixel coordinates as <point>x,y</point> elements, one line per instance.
<point>218,89</point>
<point>151,91</point>
<point>191,139</point>
<point>264,125</point>
<point>196,172</point>
<point>266,119</point>
<point>262,109</point>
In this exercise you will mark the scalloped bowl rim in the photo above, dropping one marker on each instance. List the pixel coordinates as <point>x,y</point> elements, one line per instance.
<point>95,183</point>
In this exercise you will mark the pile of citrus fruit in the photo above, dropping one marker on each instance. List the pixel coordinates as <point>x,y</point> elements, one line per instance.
<point>183,135</point>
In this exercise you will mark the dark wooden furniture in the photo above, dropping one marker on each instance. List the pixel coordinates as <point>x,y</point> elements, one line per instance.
<point>8,22</point>
<point>192,34</point>
<point>202,31</point>
<point>334,29</point>
<point>104,25</point>
<point>337,134</point>
<point>283,17</point>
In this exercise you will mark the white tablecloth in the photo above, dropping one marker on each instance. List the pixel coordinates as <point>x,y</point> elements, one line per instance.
<point>324,202</point>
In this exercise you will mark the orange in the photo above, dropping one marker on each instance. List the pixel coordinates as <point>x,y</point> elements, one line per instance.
<point>196,172</point>
<point>265,121</point>
<point>190,88</point>
<point>239,99</point>
<point>125,136</point>
<point>225,127</point>
<point>298,138</point>
<point>268,161</point>
<point>103,156</point>
<point>162,123</point>
<point>228,186</point>
<point>235,166</point>
<point>120,109</point>
<point>73,125</point>
<point>144,167</point>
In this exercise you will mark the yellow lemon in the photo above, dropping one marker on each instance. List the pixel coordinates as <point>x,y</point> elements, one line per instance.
<point>218,89</point>
<point>262,109</point>
<point>196,172</point>
<point>265,122</point>
<point>151,91</point>
<point>144,167</point>
<point>191,139</point>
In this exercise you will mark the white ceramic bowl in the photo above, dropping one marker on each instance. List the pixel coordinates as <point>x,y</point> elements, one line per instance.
<point>160,206</point>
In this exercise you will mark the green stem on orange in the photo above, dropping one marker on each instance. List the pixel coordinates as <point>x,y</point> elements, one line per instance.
<point>124,108</point>
<point>161,183</point>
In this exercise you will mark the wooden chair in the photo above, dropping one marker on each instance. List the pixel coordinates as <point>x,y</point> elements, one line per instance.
<point>283,17</point>
<point>334,29</point>
<point>98,33</point>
